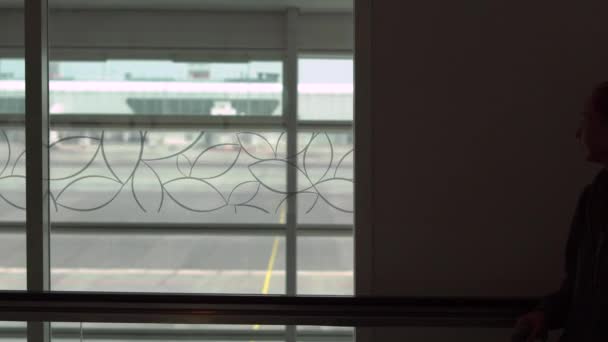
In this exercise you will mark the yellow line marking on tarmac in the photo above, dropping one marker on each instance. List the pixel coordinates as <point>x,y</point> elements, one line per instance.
<point>273,256</point>
<point>282,216</point>
<point>271,261</point>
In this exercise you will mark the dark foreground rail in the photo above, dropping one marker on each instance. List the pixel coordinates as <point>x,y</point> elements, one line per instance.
<point>278,310</point>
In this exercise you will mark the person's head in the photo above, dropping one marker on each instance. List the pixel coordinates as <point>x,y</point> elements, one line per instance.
<point>593,130</point>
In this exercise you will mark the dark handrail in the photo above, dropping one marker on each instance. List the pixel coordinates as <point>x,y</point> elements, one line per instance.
<point>280,310</point>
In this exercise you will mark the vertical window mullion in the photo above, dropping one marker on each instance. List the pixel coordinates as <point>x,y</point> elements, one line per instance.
<point>37,159</point>
<point>291,121</point>
<point>362,137</point>
<point>290,112</point>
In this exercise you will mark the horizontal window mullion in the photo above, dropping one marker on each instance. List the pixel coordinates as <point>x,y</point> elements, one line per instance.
<point>165,121</point>
<point>151,121</point>
<point>197,55</point>
<point>152,228</point>
<point>176,121</point>
<point>326,125</point>
<point>183,228</point>
<point>12,120</point>
<point>325,230</point>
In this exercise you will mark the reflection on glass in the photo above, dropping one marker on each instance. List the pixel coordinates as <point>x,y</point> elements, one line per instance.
<point>325,265</point>
<point>167,176</point>
<point>162,87</point>
<point>325,89</point>
<point>169,262</point>
<point>325,178</point>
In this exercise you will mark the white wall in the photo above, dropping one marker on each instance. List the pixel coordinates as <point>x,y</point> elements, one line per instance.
<point>476,170</point>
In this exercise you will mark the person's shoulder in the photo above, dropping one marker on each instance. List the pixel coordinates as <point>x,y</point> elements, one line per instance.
<point>601,179</point>
<point>587,191</point>
<point>603,174</point>
<point>599,186</point>
<point>595,180</point>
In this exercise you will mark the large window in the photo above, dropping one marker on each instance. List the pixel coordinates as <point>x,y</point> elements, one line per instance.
<point>193,147</point>
<point>197,149</point>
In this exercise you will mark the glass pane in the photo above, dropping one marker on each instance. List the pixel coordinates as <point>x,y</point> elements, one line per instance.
<point>325,265</point>
<point>12,258</point>
<point>325,89</point>
<point>12,208</point>
<point>164,87</point>
<point>196,262</point>
<point>194,332</point>
<point>12,149</point>
<point>12,85</point>
<point>12,174</point>
<point>13,331</point>
<point>72,332</point>
<point>175,176</point>
<point>325,177</point>
<point>325,334</point>
<point>177,208</point>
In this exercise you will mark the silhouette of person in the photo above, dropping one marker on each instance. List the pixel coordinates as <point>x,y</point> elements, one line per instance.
<point>580,306</point>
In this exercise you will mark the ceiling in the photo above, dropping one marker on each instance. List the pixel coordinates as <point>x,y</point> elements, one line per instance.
<point>231,5</point>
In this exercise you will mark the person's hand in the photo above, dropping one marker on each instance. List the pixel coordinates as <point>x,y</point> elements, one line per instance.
<point>532,325</point>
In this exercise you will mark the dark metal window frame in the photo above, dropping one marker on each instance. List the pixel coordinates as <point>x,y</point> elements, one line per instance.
<point>37,122</point>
